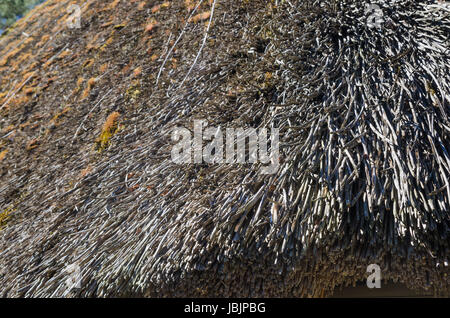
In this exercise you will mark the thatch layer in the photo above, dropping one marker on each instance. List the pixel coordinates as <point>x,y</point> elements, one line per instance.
<point>364,168</point>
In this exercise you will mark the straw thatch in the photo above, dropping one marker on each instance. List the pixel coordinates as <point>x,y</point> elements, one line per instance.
<point>87,179</point>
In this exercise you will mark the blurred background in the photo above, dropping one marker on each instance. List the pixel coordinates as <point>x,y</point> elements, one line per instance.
<point>12,10</point>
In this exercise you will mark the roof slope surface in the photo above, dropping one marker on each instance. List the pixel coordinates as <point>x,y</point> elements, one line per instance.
<point>86,176</point>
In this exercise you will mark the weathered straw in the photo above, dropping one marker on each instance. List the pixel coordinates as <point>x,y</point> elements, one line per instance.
<point>364,168</point>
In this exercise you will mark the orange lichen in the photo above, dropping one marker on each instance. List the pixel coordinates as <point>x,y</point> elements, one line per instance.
<point>111,121</point>
<point>8,56</point>
<point>131,189</point>
<point>141,5</point>
<point>26,78</point>
<point>87,90</point>
<point>48,63</point>
<point>110,127</point>
<point>103,68</point>
<point>189,5</point>
<point>108,41</point>
<point>3,154</point>
<point>86,7</point>
<point>106,24</point>
<point>59,114</point>
<point>113,5</point>
<point>2,97</point>
<point>29,90</point>
<point>32,123</point>
<point>200,17</point>
<point>137,71</point>
<point>174,63</point>
<point>24,125</point>
<point>80,81</point>
<point>7,129</point>
<point>17,101</point>
<point>64,54</point>
<point>23,57</point>
<point>61,23</point>
<point>28,40</point>
<point>88,63</point>
<point>151,26</point>
<point>126,68</point>
<point>86,171</point>
<point>91,82</point>
<point>43,40</point>
<point>159,6</point>
<point>48,82</point>
<point>30,68</point>
<point>32,144</point>
<point>93,43</point>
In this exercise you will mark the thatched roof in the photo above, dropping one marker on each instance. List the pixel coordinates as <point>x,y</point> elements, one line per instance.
<point>86,176</point>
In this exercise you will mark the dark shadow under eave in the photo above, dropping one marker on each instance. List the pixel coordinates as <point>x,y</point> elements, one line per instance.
<point>389,289</point>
